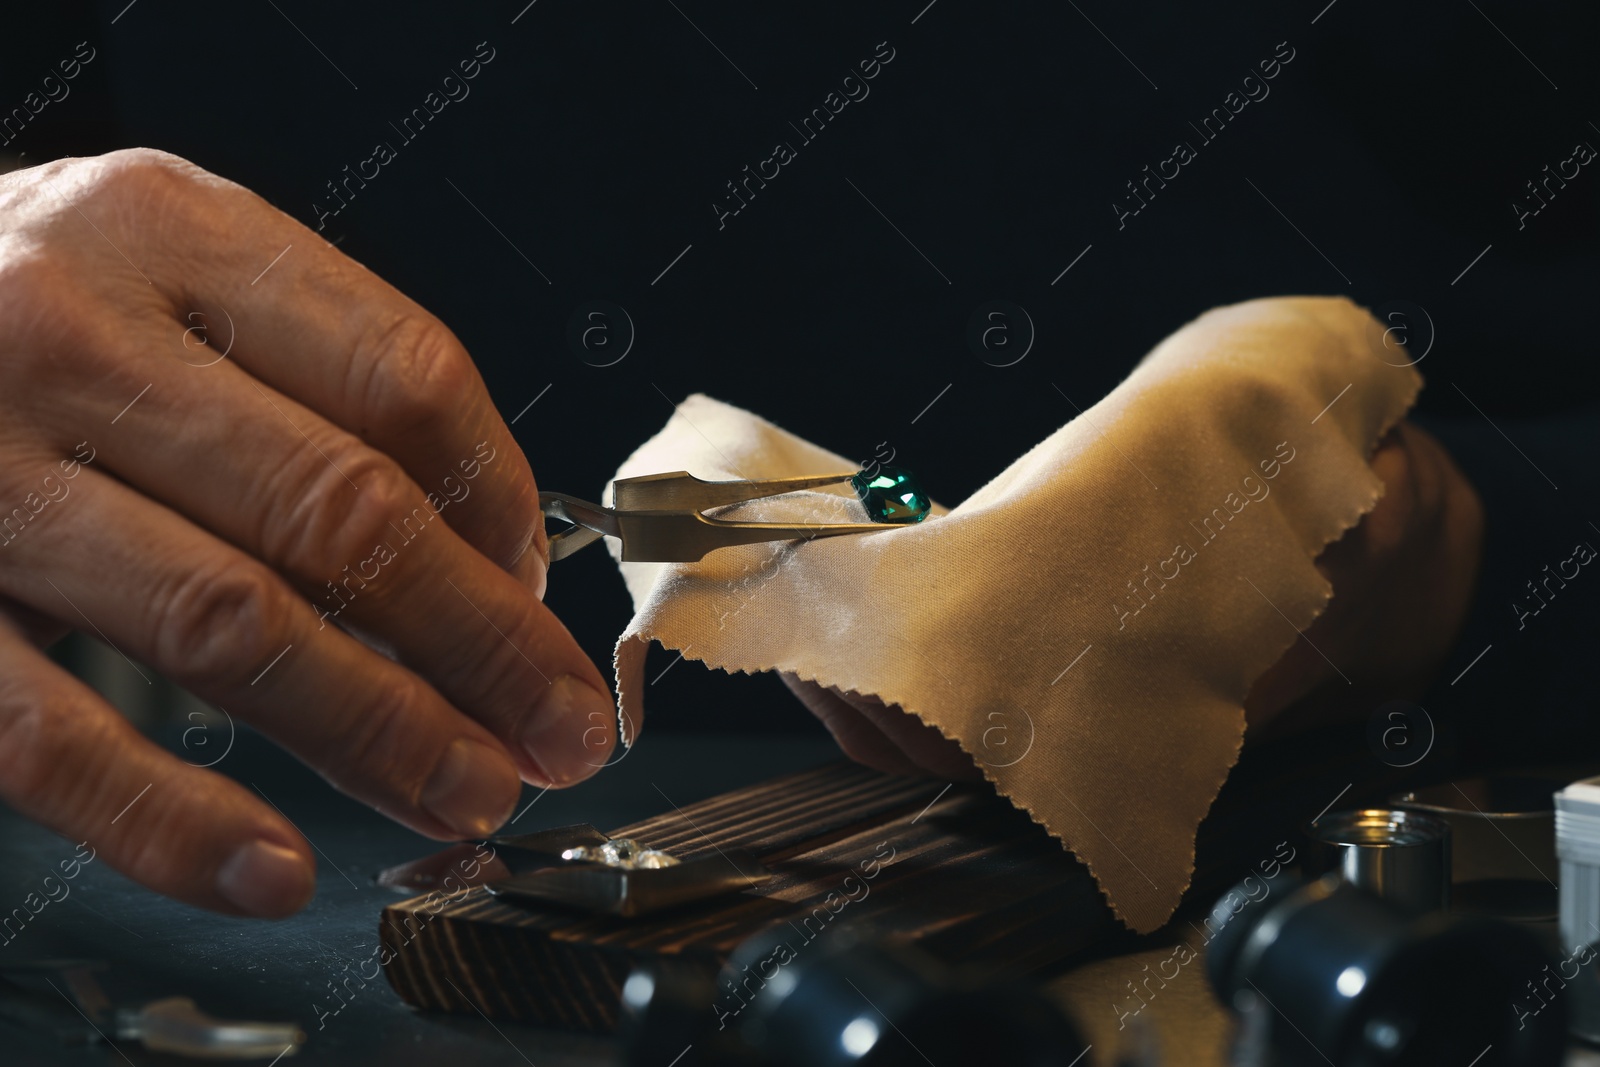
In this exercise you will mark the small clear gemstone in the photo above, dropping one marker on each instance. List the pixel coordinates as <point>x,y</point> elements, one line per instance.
<point>652,859</point>
<point>620,851</point>
<point>623,852</point>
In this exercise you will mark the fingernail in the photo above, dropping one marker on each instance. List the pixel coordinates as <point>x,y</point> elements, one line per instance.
<point>473,789</point>
<point>571,732</point>
<point>532,572</point>
<point>266,880</point>
<point>532,565</point>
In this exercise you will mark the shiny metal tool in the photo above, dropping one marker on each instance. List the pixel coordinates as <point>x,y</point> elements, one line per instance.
<point>552,867</point>
<point>549,871</point>
<point>660,518</point>
<point>80,1014</point>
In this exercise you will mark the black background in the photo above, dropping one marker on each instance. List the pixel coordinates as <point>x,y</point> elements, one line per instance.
<point>996,141</point>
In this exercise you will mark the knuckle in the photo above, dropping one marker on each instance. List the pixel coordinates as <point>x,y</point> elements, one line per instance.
<point>517,529</point>
<point>159,854</point>
<point>56,764</point>
<point>43,309</point>
<point>1430,470</point>
<point>1391,521</point>
<point>378,742</point>
<point>144,158</point>
<point>346,515</point>
<point>44,743</point>
<point>136,172</point>
<point>29,278</point>
<point>215,626</point>
<point>146,194</point>
<point>410,374</point>
<point>508,669</point>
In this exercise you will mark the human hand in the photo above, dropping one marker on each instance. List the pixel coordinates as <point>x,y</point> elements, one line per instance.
<point>1403,580</point>
<point>884,737</point>
<point>234,467</point>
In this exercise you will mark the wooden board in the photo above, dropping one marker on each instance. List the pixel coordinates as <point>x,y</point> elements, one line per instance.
<point>960,871</point>
<point>845,844</point>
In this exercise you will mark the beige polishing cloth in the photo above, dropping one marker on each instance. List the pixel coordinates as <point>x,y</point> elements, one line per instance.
<point>1088,624</point>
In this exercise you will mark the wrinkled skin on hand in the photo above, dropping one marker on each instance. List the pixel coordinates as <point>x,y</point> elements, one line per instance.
<point>245,460</point>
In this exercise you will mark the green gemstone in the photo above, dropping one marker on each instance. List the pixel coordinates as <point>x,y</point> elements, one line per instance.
<point>891,494</point>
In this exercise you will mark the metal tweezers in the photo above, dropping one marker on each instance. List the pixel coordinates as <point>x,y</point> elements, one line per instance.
<point>659,517</point>
<point>81,1015</point>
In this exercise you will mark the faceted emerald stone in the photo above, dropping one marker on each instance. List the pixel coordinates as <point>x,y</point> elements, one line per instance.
<point>891,495</point>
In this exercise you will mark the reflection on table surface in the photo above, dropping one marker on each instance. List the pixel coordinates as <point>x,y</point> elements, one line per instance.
<point>251,969</point>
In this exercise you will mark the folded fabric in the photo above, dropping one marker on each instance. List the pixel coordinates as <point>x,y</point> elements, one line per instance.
<point>1088,624</point>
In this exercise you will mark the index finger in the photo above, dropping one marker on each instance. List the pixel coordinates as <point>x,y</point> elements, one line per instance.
<point>303,317</point>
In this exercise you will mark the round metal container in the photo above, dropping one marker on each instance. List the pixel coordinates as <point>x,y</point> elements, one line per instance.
<point>1401,856</point>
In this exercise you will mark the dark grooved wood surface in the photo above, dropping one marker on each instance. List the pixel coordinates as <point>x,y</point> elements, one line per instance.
<point>972,880</point>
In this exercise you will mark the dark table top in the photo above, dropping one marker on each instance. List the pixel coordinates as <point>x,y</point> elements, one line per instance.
<point>253,969</point>
<point>279,971</point>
